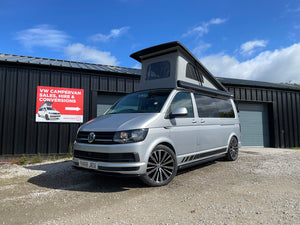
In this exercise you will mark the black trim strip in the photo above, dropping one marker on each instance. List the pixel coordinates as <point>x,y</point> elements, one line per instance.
<point>201,161</point>
<point>207,90</point>
<point>202,155</point>
<point>159,54</point>
<point>104,168</point>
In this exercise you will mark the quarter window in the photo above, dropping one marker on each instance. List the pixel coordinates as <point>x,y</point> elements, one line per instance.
<point>158,70</point>
<point>183,99</point>
<point>213,107</point>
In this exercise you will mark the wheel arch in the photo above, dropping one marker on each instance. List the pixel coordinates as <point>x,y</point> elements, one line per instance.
<point>230,137</point>
<point>168,145</point>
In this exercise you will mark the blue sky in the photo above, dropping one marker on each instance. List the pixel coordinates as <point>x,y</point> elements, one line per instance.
<point>257,39</point>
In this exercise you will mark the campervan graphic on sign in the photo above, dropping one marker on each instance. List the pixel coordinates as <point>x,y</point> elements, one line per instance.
<point>55,104</point>
<point>48,112</point>
<point>180,116</point>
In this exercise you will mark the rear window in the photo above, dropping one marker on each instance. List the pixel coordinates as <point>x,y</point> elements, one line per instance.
<point>158,70</point>
<point>213,107</point>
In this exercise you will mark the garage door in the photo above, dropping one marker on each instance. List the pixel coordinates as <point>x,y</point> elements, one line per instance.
<point>105,101</point>
<point>255,124</point>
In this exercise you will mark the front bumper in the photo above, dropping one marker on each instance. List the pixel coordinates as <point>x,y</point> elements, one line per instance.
<point>119,158</point>
<point>121,168</point>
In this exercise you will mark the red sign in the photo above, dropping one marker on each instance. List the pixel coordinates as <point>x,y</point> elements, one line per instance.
<point>55,104</point>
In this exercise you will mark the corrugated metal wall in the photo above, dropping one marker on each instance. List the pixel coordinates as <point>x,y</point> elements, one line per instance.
<point>284,112</point>
<point>19,133</point>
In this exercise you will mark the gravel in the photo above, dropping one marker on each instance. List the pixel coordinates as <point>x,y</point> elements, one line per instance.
<point>261,187</point>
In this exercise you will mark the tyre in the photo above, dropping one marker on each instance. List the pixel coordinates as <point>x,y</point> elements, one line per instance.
<point>46,117</point>
<point>161,167</point>
<point>233,149</point>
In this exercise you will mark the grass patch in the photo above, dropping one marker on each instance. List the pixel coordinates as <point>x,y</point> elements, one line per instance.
<point>34,159</point>
<point>37,159</point>
<point>298,148</point>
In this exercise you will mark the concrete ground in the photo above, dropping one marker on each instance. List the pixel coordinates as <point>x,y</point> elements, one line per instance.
<point>261,187</point>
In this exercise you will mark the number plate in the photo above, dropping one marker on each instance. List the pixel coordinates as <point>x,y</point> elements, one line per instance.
<point>88,164</point>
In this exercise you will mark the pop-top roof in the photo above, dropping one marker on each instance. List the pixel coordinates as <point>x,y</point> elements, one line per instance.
<point>176,46</point>
<point>66,64</point>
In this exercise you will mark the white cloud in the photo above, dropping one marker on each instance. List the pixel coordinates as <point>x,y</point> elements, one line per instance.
<point>80,52</point>
<point>137,66</point>
<point>280,65</point>
<point>249,47</point>
<point>296,27</point>
<point>114,33</point>
<point>42,36</point>
<point>199,31</point>
<point>201,48</point>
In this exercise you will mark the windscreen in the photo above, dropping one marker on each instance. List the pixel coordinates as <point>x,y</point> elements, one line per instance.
<point>141,102</point>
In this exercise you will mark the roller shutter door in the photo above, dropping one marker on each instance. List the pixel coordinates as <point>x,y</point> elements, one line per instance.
<point>105,101</point>
<point>255,124</point>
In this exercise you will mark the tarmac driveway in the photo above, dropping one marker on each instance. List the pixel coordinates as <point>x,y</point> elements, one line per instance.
<point>261,187</point>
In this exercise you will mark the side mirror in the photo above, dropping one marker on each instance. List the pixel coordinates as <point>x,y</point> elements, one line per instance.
<point>179,112</point>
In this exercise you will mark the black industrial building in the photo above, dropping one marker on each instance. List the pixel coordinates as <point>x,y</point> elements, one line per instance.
<point>269,113</point>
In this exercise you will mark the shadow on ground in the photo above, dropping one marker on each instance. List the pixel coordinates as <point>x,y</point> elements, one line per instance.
<point>63,176</point>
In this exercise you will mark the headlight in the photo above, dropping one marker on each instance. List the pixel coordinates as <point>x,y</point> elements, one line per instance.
<point>130,136</point>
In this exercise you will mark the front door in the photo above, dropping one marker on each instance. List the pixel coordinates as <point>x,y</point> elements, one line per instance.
<point>182,129</point>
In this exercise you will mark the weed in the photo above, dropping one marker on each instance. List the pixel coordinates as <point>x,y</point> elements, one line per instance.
<point>36,159</point>
<point>23,160</point>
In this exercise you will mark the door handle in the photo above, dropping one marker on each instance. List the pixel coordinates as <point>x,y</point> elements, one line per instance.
<point>202,121</point>
<point>194,121</point>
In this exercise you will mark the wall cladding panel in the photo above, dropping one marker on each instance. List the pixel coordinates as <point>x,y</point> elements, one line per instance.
<point>21,111</point>
<point>112,84</point>
<point>54,131</point>
<point>104,83</point>
<point>121,85</point>
<point>2,94</point>
<point>43,128</point>
<point>129,85</point>
<point>10,97</point>
<point>31,127</point>
<point>86,85</point>
<point>298,116</point>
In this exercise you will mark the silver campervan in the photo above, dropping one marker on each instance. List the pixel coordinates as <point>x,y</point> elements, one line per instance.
<point>180,116</point>
<point>48,112</point>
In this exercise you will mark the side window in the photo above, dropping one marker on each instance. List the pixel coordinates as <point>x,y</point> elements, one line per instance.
<point>158,70</point>
<point>183,99</point>
<point>213,107</point>
<point>206,106</point>
<point>194,73</point>
<point>225,109</point>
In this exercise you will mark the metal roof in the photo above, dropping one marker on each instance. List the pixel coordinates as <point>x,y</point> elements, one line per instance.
<point>124,70</point>
<point>252,83</point>
<point>67,64</point>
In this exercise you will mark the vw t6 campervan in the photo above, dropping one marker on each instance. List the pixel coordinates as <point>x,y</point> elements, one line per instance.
<point>180,116</point>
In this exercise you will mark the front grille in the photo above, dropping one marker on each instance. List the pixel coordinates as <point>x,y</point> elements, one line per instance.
<point>101,137</point>
<point>107,157</point>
